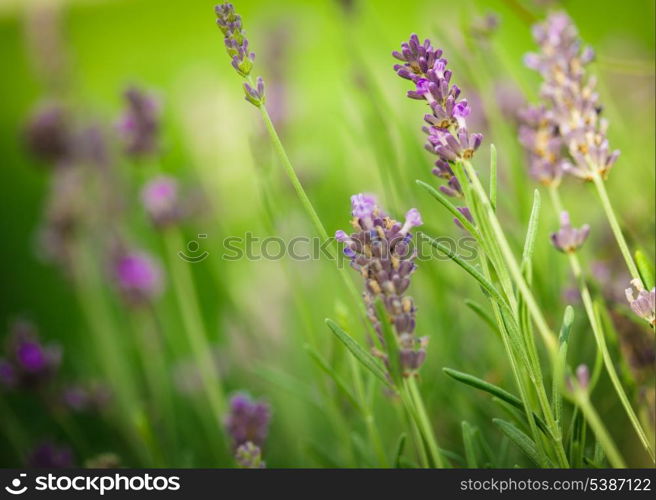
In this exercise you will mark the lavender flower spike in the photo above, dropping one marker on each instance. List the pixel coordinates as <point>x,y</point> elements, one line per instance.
<point>247,421</point>
<point>138,277</point>
<point>236,45</point>
<point>139,124</point>
<point>448,136</point>
<point>379,250</point>
<point>28,363</point>
<point>644,305</point>
<point>160,200</point>
<point>569,239</point>
<point>572,112</point>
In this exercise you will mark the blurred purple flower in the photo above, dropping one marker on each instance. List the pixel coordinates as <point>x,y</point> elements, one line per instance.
<point>248,420</point>
<point>569,239</point>
<point>140,122</point>
<point>28,363</point>
<point>48,134</point>
<point>47,455</point>
<point>138,277</point>
<point>82,398</point>
<point>570,120</point>
<point>160,199</point>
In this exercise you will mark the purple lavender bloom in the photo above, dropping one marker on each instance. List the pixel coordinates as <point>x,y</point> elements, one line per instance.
<point>644,305</point>
<point>50,456</point>
<point>583,375</point>
<point>468,215</point>
<point>249,456</point>
<point>570,119</point>
<point>139,124</point>
<point>448,136</point>
<point>93,397</point>
<point>138,277</point>
<point>248,420</point>
<point>28,362</point>
<point>236,45</point>
<point>363,205</point>
<point>484,27</point>
<point>160,200</point>
<point>379,250</point>
<point>569,239</point>
<point>543,144</point>
<point>48,134</point>
<point>8,377</point>
<point>255,95</point>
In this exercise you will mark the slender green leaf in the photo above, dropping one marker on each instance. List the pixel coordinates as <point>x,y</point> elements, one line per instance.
<point>484,315</point>
<point>475,273</point>
<point>400,446</point>
<point>326,368</point>
<point>522,441</point>
<point>529,242</point>
<point>559,369</point>
<point>451,455</point>
<point>444,201</point>
<point>366,359</point>
<point>468,440</point>
<point>502,394</point>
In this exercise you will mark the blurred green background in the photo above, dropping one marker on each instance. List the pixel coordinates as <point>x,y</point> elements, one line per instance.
<point>344,118</point>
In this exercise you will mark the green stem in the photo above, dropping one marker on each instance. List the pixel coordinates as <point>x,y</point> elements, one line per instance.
<point>99,317</point>
<point>547,335</point>
<point>424,423</point>
<point>156,372</point>
<point>599,429</point>
<point>601,345</point>
<point>367,415</point>
<point>193,323</point>
<point>615,227</point>
<point>305,201</point>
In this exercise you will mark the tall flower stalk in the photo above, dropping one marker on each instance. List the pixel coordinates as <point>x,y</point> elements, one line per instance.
<point>380,251</point>
<point>571,119</point>
<point>566,135</point>
<point>242,59</point>
<point>450,139</point>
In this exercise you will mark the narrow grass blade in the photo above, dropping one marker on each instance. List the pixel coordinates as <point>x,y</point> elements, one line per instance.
<point>444,201</point>
<point>468,441</point>
<point>493,176</point>
<point>559,369</point>
<point>471,270</point>
<point>484,315</point>
<point>400,446</point>
<point>522,441</point>
<point>366,359</point>
<point>529,242</point>
<point>645,268</point>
